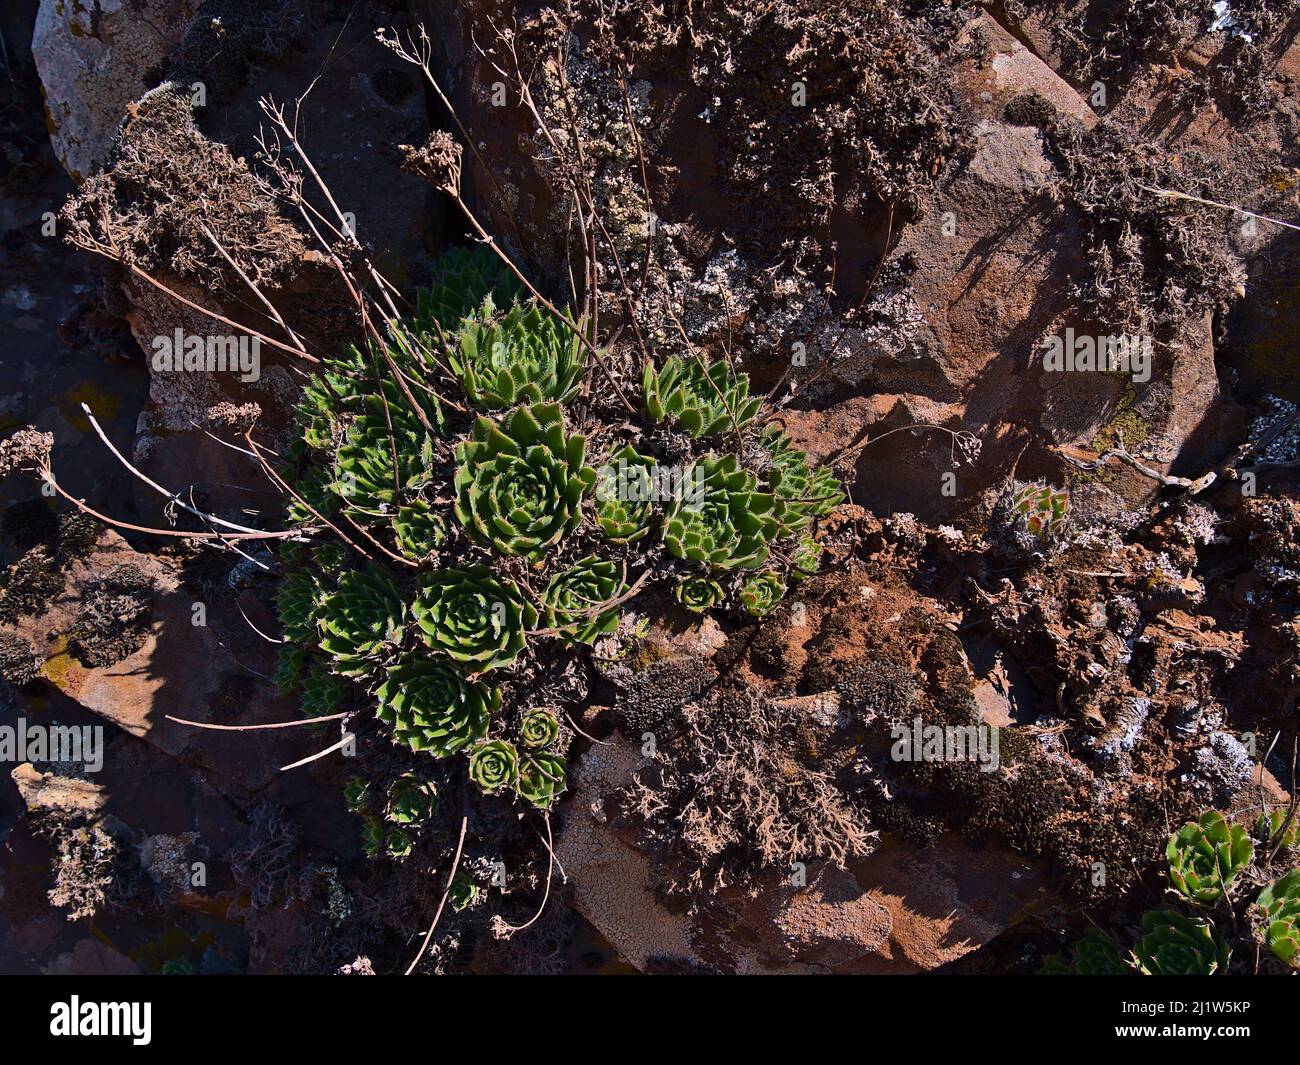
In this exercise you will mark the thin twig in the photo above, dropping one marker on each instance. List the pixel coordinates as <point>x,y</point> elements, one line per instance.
<point>451,876</point>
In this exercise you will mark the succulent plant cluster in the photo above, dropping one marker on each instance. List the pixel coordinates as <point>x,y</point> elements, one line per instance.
<point>1040,509</point>
<point>1214,869</point>
<point>478,532</point>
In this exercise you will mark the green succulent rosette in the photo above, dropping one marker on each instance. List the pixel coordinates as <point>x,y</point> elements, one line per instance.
<point>625,492</point>
<point>290,661</point>
<point>399,841</point>
<point>1272,829</point>
<point>1279,905</point>
<point>494,765</point>
<point>373,835</point>
<point>525,355</point>
<point>541,779</point>
<point>1206,856</point>
<point>322,691</point>
<point>361,621</point>
<point>520,483</point>
<point>801,493</point>
<point>1175,945</point>
<point>704,401</point>
<point>805,559</point>
<point>330,557</point>
<point>355,793</point>
<point>1040,508</point>
<point>720,519</point>
<point>573,594</point>
<point>698,593</point>
<point>411,800</point>
<point>472,618</point>
<point>315,496</point>
<point>463,892</point>
<point>296,601</point>
<point>761,593</point>
<point>432,708</point>
<point>466,279</point>
<point>363,464</point>
<point>418,529</point>
<point>1095,954</point>
<point>538,728</point>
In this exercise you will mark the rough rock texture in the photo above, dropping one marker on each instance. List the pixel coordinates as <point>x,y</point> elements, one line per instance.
<point>1129,674</point>
<point>175,668</point>
<point>904,909</point>
<point>93,60</point>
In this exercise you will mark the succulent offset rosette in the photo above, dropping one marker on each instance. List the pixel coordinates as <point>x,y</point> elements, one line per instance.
<point>805,559</point>
<point>698,593</point>
<point>538,728</point>
<point>361,622</point>
<point>541,779</point>
<point>1041,509</point>
<point>468,280</point>
<point>625,491</point>
<point>363,464</point>
<point>1206,856</point>
<point>411,800</point>
<point>576,599</point>
<point>1279,905</point>
<point>432,708</point>
<point>1174,945</point>
<point>801,493</point>
<point>704,401</point>
<point>494,765</point>
<point>322,691</point>
<point>761,593</point>
<point>520,484</point>
<point>418,529</point>
<point>472,618</point>
<point>296,600</point>
<point>720,519</point>
<point>525,355</point>
<point>1095,954</point>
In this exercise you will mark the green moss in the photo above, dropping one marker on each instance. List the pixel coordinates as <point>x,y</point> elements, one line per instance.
<point>1126,424</point>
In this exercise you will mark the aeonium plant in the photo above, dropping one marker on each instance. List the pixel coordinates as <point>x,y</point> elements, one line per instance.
<point>1231,904</point>
<point>498,547</point>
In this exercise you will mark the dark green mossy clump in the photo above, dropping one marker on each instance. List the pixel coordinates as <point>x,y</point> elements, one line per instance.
<point>1030,109</point>
<point>1153,264</point>
<point>114,617</point>
<point>77,534</point>
<point>1110,40</point>
<point>815,107</point>
<point>31,583</point>
<point>19,662</point>
<point>653,691</point>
